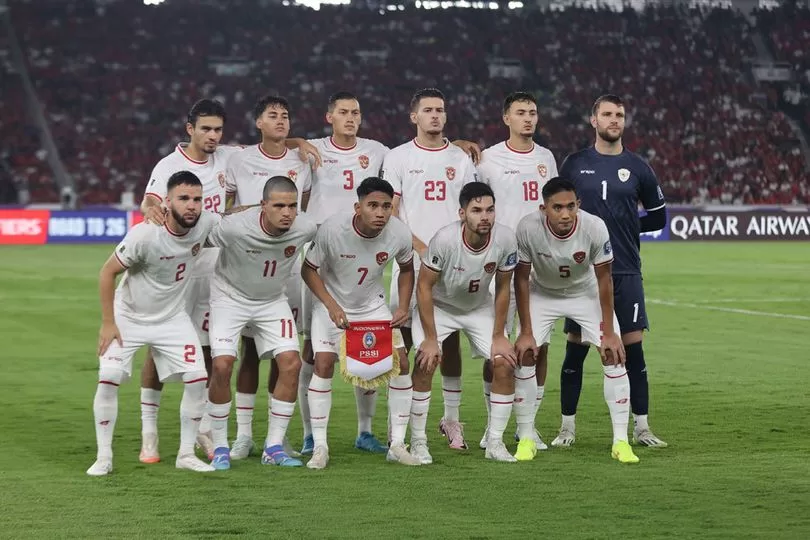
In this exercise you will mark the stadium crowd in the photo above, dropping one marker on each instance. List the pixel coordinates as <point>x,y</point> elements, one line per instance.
<point>115,79</point>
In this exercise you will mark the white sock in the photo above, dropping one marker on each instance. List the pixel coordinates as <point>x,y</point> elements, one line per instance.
<point>150,405</point>
<point>451,392</point>
<point>191,410</point>
<point>569,422</point>
<point>366,401</point>
<point>304,376</point>
<point>641,421</point>
<point>279,418</point>
<point>205,423</point>
<point>487,391</point>
<point>617,397</point>
<point>105,411</point>
<point>244,414</point>
<point>420,404</point>
<point>541,391</point>
<point>219,413</point>
<point>501,411</point>
<point>525,401</point>
<point>400,397</point>
<point>320,404</point>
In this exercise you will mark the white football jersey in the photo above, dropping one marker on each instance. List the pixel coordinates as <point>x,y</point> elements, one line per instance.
<point>248,171</point>
<point>466,272</point>
<point>351,265</point>
<point>253,265</point>
<point>517,179</point>
<point>211,173</point>
<point>159,266</point>
<point>563,266</point>
<point>335,181</point>
<point>429,182</point>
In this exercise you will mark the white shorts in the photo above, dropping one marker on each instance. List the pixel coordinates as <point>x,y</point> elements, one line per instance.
<point>174,343</point>
<point>511,315</point>
<point>272,325</point>
<point>476,324</point>
<point>393,296</point>
<point>585,310</point>
<point>199,293</point>
<point>295,288</point>
<point>326,336</point>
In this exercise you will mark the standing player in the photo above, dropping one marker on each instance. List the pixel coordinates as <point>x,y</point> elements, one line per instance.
<point>246,176</point>
<point>453,294</point>
<point>612,182</point>
<point>517,169</point>
<point>149,308</point>
<point>568,254</point>
<point>258,249</point>
<point>351,252</point>
<point>204,157</point>
<point>427,175</point>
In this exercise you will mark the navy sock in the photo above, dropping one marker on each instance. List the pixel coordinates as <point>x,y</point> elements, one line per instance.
<point>571,377</point>
<point>637,373</point>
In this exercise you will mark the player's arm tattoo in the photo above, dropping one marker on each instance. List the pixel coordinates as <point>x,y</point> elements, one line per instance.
<point>424,300</point>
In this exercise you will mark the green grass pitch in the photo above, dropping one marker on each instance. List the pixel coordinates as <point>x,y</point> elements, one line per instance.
<point>727,360</point>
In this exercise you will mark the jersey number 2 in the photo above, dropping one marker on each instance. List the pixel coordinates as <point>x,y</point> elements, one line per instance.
<point>435,190</point>
<point>181,268</point>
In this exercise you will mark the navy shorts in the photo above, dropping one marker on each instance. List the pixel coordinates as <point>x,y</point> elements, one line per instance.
<point>628,302</point>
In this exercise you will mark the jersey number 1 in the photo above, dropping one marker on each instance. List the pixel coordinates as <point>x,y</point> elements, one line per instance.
<point>604,190</point>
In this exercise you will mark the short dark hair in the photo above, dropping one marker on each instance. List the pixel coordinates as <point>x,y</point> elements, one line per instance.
<point>278,184</point>
<point>373,184</point>
<point>558,184</point>
<point>607,98</point>
<point>425,93</point>
<point>337,96</point>
<point>474,190</point>
<point>517,96</point>
<point>183,178</point>
<point>267,101</point>
<point>205,107</point>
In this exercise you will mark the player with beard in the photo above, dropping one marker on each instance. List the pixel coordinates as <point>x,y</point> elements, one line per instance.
<point>149,308</point>
<point>612,182</point>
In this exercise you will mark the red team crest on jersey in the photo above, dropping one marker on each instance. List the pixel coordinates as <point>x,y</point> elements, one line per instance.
<point>221,179</point>
<point>451,172</point>
<point>363,161</point>
<point>289,251</point>
<point>542,170</point>
<point>579,256</point>
<point>489,267</point>
<point>195,249</point>
<point>292,175</point>
<point>382,258</point>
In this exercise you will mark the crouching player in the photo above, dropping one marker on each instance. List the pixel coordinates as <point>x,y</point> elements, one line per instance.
<point>570,253</point>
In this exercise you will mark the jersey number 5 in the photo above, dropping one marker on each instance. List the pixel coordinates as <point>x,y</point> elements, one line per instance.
<point>435,190</point>
<point>565,271</point>
<point>475,284</point>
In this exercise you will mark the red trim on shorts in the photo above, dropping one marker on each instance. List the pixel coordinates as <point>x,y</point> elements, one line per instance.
<point>166,224</point>
<point>567,236</point>
<point>180,149</point>
<point>617,376</point>
<point>470,248</point>
<point>529,151</point>
<point>344,148</point>
<point>119,260</point>
<point>150,404</point>
<point>109,382</point>
<point>446,144</point>
<point>268,156</point>
<point>155,195</point>
<point>203,379</point>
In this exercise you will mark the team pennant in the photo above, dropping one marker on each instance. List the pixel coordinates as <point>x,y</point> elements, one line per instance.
<point>368,355</point>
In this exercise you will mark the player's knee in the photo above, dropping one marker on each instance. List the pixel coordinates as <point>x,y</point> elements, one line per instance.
<point>487,371</point>
<point>112,376</point>
<point>502,369</point>
<point>288,362</point>
<point>324,364</point>
<point>634,354</point>
<point>222,366</point>
<point>404,365</point>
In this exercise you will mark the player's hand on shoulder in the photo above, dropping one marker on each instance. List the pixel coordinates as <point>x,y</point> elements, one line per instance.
<point>526,343</point>
<point>307,150</point>
<point>612,349</point>
<point>471,149</point>
<point>429,355</point>
<point>109,332</point>
<point>501,347</point>
<point>156,214</point>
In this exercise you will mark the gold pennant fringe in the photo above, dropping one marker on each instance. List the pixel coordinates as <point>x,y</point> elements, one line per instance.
<point>367,384</point>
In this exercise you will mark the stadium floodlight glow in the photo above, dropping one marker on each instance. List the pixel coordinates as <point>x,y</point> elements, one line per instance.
<point>515,5</point>
<point>152,2</point>
<point>493,5</point>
